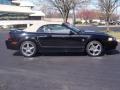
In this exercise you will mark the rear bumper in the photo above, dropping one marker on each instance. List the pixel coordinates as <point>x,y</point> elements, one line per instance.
<point>111,45</point>
<point>12,45</point>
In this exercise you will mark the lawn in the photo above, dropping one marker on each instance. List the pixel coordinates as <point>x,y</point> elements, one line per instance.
<point>115,34</point>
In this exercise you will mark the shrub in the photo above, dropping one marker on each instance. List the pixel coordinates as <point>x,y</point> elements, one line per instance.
<point>78,22</point>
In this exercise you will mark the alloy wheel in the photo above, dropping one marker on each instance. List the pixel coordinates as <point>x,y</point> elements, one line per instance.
<point>28,48</point>
<point>94,48</point>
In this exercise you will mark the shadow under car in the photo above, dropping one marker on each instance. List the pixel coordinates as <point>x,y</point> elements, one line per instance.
<point>113,52</point>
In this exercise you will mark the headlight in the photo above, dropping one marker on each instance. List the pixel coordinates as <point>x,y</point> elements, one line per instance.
<point>111,39</point>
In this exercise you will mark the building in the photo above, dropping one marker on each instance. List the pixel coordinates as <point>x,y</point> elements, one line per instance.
<point>19,10</point>
<point>5,2</point>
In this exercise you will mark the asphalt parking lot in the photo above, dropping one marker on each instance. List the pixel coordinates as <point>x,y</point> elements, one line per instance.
<point>58,71</point>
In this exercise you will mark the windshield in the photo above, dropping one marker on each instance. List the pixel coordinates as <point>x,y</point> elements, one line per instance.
<point>76,29</point>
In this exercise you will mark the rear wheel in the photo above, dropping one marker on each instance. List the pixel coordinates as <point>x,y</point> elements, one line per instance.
<point>28,49</point>
<point>94,48</point>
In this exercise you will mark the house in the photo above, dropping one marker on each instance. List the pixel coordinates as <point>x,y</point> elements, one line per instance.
<point>19,10</point>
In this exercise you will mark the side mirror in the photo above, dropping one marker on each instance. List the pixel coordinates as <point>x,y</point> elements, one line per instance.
<point>71,33</point>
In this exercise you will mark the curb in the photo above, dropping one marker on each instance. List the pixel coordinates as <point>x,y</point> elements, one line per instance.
<point>110,26</point>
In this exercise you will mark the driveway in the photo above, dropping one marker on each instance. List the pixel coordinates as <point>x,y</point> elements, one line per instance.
<point>58,71</point>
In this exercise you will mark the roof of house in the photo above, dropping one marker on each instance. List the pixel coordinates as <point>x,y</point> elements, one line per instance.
<point>24,3</point>
<point>14,9</point>
<point>18,9</point>
<point>37,13</point>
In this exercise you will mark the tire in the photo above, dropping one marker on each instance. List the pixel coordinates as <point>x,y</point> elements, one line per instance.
<point>94,48</point>
<point>28,49</point>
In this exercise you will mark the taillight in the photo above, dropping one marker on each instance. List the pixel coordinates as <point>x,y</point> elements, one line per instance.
<point>10,38</point>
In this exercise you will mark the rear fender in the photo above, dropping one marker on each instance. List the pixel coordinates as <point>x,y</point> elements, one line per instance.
<point>33,39</point>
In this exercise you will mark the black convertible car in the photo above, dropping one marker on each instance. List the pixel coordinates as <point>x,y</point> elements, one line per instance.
<point>60,38</point>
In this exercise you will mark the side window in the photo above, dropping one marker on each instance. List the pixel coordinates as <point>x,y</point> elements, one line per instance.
<point>54,29</point>
<point>43,29</point>
<point>59,29</point>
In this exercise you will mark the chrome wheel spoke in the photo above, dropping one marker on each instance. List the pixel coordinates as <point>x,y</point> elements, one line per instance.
<point>91,49</point>
<point>97,46</point>
<point>24,48</point>
<point>31,48</point>
<point>93,53</point>
<point>28,45</point>
<point>97,50</point>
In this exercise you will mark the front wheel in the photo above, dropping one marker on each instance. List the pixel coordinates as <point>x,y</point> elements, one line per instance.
<point>94,48</point>
<point>28,49</point>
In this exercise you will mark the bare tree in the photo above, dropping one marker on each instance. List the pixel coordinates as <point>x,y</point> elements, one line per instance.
<point>64,6</point>
<point>107,8</point>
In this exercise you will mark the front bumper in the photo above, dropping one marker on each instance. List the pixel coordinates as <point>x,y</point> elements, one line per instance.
<point>12,45</point>
<point>111,45</point>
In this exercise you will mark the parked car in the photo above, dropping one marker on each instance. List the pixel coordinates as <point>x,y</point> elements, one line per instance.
<point>102,22</point>
<point>112,22</point>
<point>60,38</point>
<point>116,22</point>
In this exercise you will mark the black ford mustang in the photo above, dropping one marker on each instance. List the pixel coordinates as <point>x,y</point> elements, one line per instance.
<point>60,38</point>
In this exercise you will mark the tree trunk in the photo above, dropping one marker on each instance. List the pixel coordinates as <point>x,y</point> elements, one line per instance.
<point>65,17</point>
<point>107,25</point>
<point>74,18</point>
<point>107,22</point>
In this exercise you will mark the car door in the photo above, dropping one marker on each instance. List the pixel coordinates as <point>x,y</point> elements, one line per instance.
<point>44,37</point>
<point>58,36</point>
<point>53,36</point>
<point>67,38</point>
